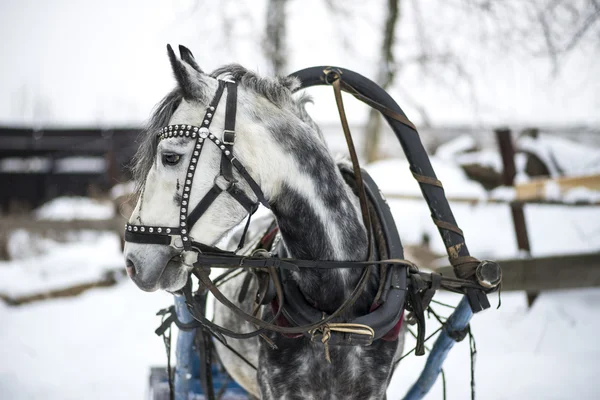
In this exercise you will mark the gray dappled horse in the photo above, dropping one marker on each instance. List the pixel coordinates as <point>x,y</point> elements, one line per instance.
<point>317,213</point>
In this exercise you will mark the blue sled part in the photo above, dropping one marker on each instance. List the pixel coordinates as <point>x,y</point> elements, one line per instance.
<point>457,322</point>
<point>187,385</point>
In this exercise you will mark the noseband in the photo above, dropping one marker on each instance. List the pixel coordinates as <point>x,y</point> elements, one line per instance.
<point>179,236</point>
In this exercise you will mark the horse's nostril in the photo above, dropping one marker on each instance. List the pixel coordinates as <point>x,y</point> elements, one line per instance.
<point>130,268</point>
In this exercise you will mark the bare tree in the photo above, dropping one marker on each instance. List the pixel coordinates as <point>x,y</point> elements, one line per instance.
<point>541,28</point>
<point>274,42</point>
<point>549,29</point>
<point>386,73</point>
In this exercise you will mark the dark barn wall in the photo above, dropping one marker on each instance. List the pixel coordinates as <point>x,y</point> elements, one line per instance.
<point>25,188</point>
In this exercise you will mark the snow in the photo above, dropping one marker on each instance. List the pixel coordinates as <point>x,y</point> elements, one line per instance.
<point>563,157</point>
<point>122,189</point>
<point>29,165</point>
<point>41,264</point>
<point>486,157</point>
<point>99,345</point>
<point>394,176</point>
<point>81,165</point>
<point>461,144</point>
<point>581,194</point>
<point>550,351</point>
<point>61,165</point>
<point>488,227</point>
<point>70,208</point>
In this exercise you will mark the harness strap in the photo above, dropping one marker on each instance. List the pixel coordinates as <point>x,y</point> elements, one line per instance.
<point>378,106</point>
<point>251,182</point>
<point>241,197</point>
<point>203,205</point>
<point>135,237</point>
<point>229,129</point>
<point>355,164</point>
<point>207,282</point>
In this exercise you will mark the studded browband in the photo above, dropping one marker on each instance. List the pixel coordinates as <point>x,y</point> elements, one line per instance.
<point>179,236</point>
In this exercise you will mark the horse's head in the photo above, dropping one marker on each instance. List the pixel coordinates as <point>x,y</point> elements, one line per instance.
<point>178,167</point>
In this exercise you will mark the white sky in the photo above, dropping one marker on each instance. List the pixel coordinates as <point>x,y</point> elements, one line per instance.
<point>84,62</point>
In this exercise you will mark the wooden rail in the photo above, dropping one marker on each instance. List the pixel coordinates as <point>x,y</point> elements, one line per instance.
<point>41,226</point>
<point>475,200</point>
<point>110,279</point>
<point>536,189</point>
<point>547,273</point>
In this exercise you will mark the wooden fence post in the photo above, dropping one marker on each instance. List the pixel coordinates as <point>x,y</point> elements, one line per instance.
<point>507,151</point>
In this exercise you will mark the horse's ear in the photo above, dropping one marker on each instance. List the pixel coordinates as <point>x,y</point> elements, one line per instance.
<point>190,80</point>
<point>187,56</point>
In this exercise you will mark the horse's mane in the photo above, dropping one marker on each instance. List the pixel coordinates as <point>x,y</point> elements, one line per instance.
<point>278,90</point>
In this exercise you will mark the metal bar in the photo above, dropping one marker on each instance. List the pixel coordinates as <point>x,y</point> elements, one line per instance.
<point>184,352</point>
<point>457,322</point>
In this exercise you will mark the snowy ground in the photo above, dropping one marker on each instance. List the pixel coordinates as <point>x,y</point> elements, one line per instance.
<point>101,344</point>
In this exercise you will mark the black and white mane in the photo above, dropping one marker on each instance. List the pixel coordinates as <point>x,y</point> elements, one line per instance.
<point>318,217</point>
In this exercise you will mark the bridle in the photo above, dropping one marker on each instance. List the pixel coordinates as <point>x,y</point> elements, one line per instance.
<point>179,236</point>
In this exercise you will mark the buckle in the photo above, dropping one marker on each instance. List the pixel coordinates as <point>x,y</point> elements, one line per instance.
<point>228,137</point>
<point>223,183</point>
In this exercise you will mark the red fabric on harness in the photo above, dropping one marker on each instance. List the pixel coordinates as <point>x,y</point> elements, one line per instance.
<point>267,240</point>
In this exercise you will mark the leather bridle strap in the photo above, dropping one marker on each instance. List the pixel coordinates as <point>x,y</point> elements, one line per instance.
<point>229,131</point>
<point>224,182</point>
<point>203,205</point>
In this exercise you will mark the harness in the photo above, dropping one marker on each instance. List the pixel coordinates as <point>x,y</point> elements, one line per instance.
<point>401,284</point>
<point>394,270</point>
<point>281,289</point>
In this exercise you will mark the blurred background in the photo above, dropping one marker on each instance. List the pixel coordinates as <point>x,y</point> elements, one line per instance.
<point>506,96</point>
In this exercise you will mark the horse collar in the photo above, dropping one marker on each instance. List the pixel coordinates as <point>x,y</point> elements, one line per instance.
<point>179,236</point>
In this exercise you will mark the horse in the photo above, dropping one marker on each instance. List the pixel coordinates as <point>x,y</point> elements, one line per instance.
<point>286,162</point>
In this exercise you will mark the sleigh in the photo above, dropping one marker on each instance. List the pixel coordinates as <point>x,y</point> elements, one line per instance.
<point>197,373</point>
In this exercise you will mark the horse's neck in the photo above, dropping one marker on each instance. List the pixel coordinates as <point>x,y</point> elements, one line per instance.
<point>319,219</point>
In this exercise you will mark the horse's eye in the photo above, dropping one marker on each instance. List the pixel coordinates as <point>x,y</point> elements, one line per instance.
<point>171,158</point>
